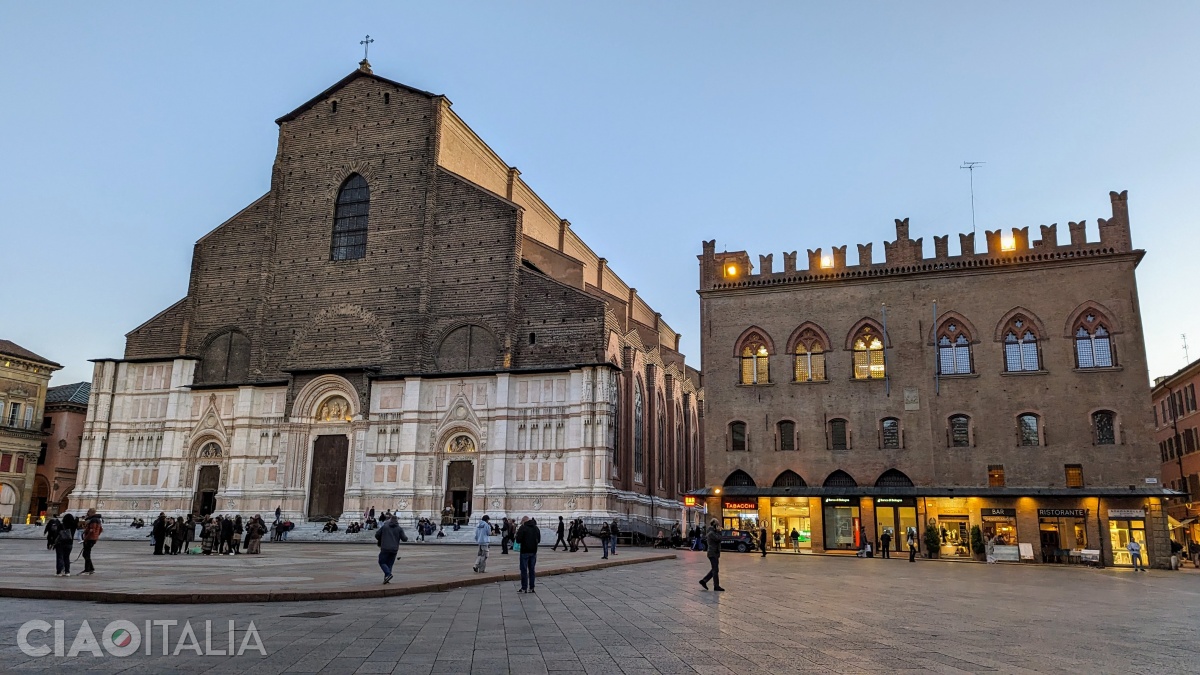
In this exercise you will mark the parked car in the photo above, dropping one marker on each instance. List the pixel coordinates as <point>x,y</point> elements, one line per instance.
<point>739,540</point>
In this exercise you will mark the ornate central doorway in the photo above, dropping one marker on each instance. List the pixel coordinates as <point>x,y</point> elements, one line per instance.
<point>327,489</point>
<point>459,477</point>
<point>204,502</point>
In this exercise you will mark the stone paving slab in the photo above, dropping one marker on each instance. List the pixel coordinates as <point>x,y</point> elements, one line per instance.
<point>779,615</point>
<point>283,572</point>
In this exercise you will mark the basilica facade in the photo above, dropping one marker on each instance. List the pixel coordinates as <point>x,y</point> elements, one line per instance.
<point>399,323</point>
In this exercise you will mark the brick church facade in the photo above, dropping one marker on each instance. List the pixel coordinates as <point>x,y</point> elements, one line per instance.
<point>399,323</point>
<point>1002,389</point>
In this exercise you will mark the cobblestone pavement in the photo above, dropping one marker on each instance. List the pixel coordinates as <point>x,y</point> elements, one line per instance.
<point>781,614</point>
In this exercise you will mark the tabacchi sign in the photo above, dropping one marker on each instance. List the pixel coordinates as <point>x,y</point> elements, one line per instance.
<point>124,638</point>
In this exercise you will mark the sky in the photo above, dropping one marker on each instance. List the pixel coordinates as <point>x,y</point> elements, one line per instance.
<point>129,130</point>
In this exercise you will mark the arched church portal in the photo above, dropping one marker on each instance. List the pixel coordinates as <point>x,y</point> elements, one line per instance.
<point>327,485</point>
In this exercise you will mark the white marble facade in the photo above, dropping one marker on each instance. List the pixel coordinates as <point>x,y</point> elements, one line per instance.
<point>537,444</point>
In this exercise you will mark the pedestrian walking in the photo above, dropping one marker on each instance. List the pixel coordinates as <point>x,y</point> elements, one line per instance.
<point>483,537</point>
<point>605,538</point>
<point>795,537</point>
<point>562,529</point>
<point>616,533</point>
<point>506,535</point>
<point>885,544</point>
<point>762,539</point>
<point>278,513</point>
<point>1135,554</point>
<point>910,537</point>
<point>62,553</point>
<point>1194,553</point>
<point>581,531</point>
<point>388,539</point>
<point>528,538</point>
<point>714,557</point>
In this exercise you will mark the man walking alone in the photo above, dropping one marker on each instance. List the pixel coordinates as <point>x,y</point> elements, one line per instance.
<point>389,537</point>
<point>562,528</point>
<point>483,534</point>
<point>713,539</point>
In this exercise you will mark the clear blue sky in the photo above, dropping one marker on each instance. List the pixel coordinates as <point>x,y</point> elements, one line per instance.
<point>128,130</point>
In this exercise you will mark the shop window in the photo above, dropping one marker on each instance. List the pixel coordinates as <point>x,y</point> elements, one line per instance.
<point>350,219</point>
<point>755,359</point>
<point>868,355</point>
<point>789,478</point>
<point>954,350</point>
<point>995,475</point>
<point>960,431</point>
<point>810,357</point>
<point>839,436</point>
<point>890,433</point>
<point>787,436</point>
<point>1093,346</point>
<point>737,436</point>
<point>1104,427</point>
<point>1028,428</point>
<point>1020,346</point>
<point>1074,475</point>
<point>739,478</point>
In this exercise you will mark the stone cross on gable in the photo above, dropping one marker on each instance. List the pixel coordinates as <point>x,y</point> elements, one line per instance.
<point>366,43</point>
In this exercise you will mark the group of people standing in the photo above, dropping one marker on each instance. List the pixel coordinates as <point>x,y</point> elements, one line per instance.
<point>61,534</point>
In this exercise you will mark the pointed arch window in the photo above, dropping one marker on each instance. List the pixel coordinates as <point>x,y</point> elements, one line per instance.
<point>755,360</point>
<point>661,464</point>
<point>789,478</point>
<point>1020,346</point>
<point>954,349</point>
<point>639,447</point>
<point>1093,345</point>
<point>810,357</point>
<point>614,427</point>
<point>840,478</point>
<point>350,220</point>
<point>739,478</point>
<point>868,355</point>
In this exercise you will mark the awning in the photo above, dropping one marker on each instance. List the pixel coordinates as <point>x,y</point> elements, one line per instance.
<point>1172,523</point>
<point>1186,521</point>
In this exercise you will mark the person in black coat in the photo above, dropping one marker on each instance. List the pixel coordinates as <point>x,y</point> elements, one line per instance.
<point>562,529</point>
<point>159,532</point>
<point>227,535</point>
<point>528,537</point>
<point>70,523</point>
<point>762,539</point>
<point>52,528</point>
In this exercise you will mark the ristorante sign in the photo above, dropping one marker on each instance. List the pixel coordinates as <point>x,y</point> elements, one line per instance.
<point>1062,513</point>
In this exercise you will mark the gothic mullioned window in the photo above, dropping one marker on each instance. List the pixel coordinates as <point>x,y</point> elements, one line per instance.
<point>350,220</point>
<point>868,355</point>
<point>661,468</point>
<point>1093,346</point>
<point>639,446</point>
<point>1020,346</point>
<point>954,350</point>
<point>614,429</point>
<point>755,360</point>
<point>810,357</point>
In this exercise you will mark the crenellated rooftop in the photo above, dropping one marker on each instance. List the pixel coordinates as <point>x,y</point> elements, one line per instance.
<point>733,269</point>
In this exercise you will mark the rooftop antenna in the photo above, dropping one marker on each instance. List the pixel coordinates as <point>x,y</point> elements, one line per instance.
<point>970,166</point>
<point>1185,349</point>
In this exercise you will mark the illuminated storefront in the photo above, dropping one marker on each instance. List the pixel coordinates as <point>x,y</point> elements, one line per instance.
<point>1124,525</point>
<point>1000,528</point>
<point>842,522</point>
<point>739,513</point>
<point>1062,534</point>
<point>894,515</point>
<point>791,515</point>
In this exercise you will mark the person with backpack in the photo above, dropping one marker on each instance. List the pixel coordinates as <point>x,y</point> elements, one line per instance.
<point>93,526</point>
<point>528,537</point>
<point>63,543</point>
<point>605,537</point>
<point>388,539</point>
<point>52,528</point>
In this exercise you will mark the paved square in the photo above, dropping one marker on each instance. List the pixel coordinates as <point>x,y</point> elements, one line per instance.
<point>781,614</point>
